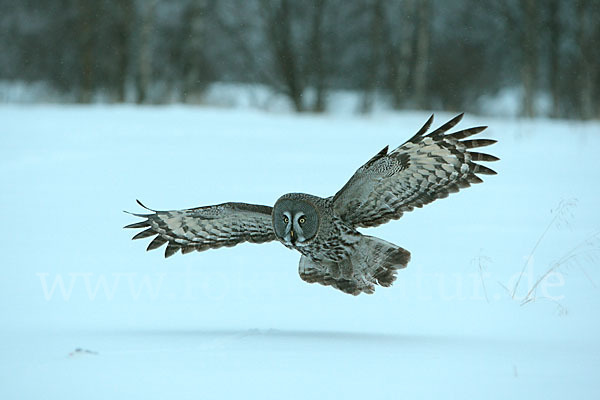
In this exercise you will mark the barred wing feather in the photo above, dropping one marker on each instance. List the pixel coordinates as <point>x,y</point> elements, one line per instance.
<point>425,168</point>
<point>202,228</point>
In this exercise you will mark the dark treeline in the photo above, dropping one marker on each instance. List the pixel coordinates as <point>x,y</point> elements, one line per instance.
<point>416,53</point>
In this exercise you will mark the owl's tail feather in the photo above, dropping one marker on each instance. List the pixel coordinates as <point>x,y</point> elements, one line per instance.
<point>373,262</point>
<point>379,260</point>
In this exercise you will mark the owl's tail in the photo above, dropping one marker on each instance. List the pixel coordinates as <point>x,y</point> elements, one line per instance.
<point>379,260</point>
<point>373,262</point>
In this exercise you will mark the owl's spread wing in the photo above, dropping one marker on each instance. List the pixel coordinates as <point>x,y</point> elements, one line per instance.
<point>425,168</point>
<point>207,227</point>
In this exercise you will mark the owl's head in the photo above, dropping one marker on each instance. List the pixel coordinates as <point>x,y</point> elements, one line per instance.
<point>295,220</point>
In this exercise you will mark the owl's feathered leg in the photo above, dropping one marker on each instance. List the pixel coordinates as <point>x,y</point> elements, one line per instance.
<point>373,261</point>
<point>329,273</point>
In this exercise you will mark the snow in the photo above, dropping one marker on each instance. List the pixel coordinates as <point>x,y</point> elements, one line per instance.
<point>239,322</point>
<point>505,103</point>
<point>30,92</point>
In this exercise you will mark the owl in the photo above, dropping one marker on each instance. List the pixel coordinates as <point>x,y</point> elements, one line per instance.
<point>427,167</point>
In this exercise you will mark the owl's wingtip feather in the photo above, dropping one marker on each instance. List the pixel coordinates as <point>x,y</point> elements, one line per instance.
<point>144,234</point>
<point>142,204</point>
<point>423,129</point>
<point>137,225</point>
<point>171,249</point>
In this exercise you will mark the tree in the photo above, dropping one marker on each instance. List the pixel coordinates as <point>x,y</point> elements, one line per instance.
<point>318,68</point>
<point>376,37</point>
<point>529,55</point>
<point>554,54</point>
<point>400,54</point>
<point>196,69</point>
<point>144,58</point>
<point>125,14</point>
<point>422,54</point>
<point>588,32</point>
<point>85,37</point>
<point>277,20</point>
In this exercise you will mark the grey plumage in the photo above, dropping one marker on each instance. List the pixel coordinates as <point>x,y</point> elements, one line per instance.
<point>425,168</point>
<point>205,228</point>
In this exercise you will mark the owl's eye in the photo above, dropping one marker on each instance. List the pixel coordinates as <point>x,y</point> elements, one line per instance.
<point>286,219</point>
<point>302,220</point>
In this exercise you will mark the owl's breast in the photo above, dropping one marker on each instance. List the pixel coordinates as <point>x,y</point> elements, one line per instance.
<point>334,244</point>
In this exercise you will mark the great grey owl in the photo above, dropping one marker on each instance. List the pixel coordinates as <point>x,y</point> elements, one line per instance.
<point>323,230</point>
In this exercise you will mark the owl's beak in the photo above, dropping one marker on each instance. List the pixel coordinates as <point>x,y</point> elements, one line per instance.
<point>292,236</point>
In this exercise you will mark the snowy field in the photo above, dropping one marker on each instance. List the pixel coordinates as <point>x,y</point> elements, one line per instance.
<point>239,322</point>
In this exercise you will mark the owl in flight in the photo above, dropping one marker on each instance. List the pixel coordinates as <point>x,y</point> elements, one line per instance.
<point>428,166</point>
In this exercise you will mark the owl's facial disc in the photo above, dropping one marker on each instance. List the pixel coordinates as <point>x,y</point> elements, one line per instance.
<point>295,221</point>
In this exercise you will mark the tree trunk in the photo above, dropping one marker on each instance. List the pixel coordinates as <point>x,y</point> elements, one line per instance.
<point>279,34</point>
<point>122,50</point>
<point>587,68</point>
<point>402,61</point>
<point>422,56</point>
<point>86,50</point>
<point>317,61</point>
<point>554,28</point>
<point>144,62</point>
<point>194,66</point>
<point>376,8</point>
<point>529,54</point>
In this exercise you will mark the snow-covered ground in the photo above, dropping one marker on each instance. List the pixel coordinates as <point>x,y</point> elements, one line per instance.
<point>239,322</point>
<point>505,103</point>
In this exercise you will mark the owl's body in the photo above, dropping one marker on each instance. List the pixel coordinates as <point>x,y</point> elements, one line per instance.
<point>323,230</point>
<point>339,255</point>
